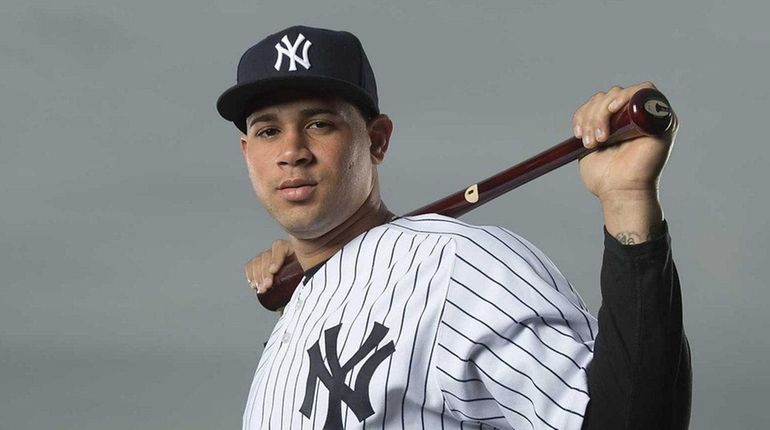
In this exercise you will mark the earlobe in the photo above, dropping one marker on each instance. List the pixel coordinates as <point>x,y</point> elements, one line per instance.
<point>380,130</point>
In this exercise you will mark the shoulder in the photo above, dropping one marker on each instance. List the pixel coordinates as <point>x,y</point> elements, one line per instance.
<point>476,242</point>
<point>446,226</point>
<point>494,254</point>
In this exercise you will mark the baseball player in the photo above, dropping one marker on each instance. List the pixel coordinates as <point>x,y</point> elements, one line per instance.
<point>426,321</point>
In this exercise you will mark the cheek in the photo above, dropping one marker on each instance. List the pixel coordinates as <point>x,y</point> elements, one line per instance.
<point>345,160</point>
<point>358,169</point>
<point>258,181</point>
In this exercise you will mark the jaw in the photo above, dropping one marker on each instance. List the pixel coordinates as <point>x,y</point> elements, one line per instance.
<point>304,222</point>
<point>327,212</point>
<point>311,249</point>
<point>311,219</point>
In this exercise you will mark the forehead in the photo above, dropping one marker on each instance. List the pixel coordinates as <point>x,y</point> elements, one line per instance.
<point>291,104</point>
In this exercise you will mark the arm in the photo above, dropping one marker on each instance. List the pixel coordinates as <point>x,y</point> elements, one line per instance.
<point>640,376</point>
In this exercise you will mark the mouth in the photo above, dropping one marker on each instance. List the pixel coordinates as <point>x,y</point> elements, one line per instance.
<point>296,190</point>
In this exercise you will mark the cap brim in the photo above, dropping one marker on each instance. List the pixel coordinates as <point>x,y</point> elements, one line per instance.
<point>236,100</point>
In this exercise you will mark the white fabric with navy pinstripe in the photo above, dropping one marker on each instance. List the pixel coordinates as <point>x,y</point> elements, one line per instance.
<point>428,322</point>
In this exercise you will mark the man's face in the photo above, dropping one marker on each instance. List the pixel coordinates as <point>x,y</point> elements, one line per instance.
<point>311,162</point>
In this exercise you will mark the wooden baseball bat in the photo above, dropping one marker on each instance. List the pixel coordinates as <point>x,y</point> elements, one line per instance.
<point>648,113</point>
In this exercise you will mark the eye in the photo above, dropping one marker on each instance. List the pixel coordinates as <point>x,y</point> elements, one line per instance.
<point>317,124</point>
<point>267,132</point>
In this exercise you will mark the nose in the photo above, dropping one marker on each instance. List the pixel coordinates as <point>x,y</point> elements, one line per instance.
<point>294,151</point>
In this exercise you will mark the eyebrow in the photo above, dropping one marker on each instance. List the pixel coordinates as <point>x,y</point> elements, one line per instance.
<point>269,117</point>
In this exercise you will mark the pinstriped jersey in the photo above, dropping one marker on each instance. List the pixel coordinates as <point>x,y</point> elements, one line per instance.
<point>428,322</point>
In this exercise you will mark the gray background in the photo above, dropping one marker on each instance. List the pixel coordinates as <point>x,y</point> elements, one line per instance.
<point>126,212</point>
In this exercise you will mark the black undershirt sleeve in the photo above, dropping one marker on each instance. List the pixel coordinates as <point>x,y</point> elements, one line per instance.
<point>640,376</point>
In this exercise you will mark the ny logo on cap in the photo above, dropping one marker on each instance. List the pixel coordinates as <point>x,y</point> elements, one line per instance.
<point>290,50</point>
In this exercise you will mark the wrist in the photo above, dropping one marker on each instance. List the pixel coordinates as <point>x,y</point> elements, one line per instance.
<point>616,197</point>
<point>633,218</point>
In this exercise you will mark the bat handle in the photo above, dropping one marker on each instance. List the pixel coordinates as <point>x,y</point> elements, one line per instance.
<point>648,113</point>
<point>284,283</point>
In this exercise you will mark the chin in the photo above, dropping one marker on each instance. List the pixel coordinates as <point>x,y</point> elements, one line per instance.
<point>313,219</point>
<point>304,225</point>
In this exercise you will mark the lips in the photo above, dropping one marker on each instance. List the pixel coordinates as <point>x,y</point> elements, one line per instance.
<point>295,183</point>
<point>296,190</point>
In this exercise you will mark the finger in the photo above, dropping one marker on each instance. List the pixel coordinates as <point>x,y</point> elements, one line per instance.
<point>251,276</point>
<point>600,120</point>
<point>278,255</point>
<point>602,113</point>
<point>624,96</point>
<point>577,123</point>
<point>599,134</point>
<point>614,99</point>
<point>596,133</point>
<point>588,138</point>
<point>266,279</point>
<point>612,103</point>
<point>587,128</point>
<point>256,276</point>
<point>604,110</point>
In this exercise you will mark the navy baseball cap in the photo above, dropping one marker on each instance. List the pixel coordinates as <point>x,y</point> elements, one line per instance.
<point>301,58</point>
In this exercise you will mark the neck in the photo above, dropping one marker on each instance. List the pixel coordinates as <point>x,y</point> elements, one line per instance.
<point>310,252</point>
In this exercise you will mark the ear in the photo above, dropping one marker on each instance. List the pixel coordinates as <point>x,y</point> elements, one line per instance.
<point>244,145</point>
<point>379,128</point>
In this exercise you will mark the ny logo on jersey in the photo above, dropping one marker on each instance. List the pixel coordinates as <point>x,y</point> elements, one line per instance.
<point>333,378</point>
<point>290,51</point>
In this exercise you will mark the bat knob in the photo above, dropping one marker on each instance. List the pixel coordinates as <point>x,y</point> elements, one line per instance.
<point>651,112</point>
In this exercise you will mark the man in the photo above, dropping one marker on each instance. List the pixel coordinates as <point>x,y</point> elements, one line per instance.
<point>428,322</point>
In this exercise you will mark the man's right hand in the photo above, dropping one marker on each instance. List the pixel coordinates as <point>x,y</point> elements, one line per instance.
<point>260,269</point>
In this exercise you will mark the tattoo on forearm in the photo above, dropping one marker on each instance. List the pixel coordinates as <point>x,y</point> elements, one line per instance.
<point>633,238</point>
<point>628,237</point>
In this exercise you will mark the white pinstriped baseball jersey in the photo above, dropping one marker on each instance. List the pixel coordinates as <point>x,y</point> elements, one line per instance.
<point>428,322</point>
